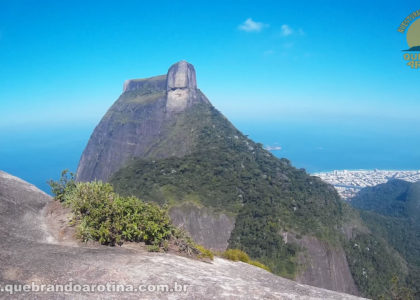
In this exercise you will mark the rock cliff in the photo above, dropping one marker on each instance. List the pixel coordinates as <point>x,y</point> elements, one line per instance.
<point>210,229</point>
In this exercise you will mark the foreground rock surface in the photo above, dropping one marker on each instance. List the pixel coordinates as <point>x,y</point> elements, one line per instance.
<point>31,252</point>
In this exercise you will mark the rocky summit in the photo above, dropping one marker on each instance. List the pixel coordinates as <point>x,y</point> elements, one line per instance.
<point>37,249</point>
<point>139,123</point>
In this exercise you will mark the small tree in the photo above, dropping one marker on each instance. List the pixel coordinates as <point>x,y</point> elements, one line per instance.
<point>65,184</point>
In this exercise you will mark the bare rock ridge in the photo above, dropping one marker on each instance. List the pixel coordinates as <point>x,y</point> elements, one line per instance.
<point>157,83</point>
<point>29,253</point>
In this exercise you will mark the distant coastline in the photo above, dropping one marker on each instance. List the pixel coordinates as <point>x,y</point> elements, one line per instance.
<point>273,148</point>
<point>366,170</point>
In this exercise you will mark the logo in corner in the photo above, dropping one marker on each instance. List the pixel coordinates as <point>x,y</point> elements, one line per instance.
<point>411,26</point>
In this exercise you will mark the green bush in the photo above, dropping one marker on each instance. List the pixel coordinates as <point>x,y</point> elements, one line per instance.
<point>204,252</point>
<point>236,255</point>
<point>239,255</point>
<point>153,248</point>
<point>102,215</point>
<point>62,187</point>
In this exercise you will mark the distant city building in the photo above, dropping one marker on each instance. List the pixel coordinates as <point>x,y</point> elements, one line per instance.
<point>348,183</point>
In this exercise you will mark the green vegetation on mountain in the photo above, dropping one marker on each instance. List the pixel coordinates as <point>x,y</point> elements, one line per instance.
<point>230,173</point>
<point>389,199</point>
<point>392,213</point>
<point>373,264</point>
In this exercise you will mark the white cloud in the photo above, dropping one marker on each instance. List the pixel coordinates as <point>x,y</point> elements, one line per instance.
<point>251,26</point>
<point>286,30</point>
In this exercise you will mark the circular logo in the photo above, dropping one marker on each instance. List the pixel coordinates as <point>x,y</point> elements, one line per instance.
<point>413,36</point>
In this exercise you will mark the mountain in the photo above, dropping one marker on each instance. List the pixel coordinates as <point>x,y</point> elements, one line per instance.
<point>396,198</point>
<point>163,141</point>
<point>37,249</point>
<point>140,123</point>
<point>392,211</point>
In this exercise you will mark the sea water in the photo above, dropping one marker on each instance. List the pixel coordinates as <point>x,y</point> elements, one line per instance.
<point>38,154</point>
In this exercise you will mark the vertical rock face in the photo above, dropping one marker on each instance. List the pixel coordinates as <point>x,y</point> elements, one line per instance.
<point>324,265</point>
<point>181,86</point>
<point>128,129</point>
<point>208,228</point>
<point>181,76</point>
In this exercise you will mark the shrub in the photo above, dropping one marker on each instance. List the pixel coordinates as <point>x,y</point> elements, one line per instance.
<point>185,243</point>
<point>105,216</point>
<point>204,252</point>
<point>62,187</point>
<point>102,215</point>
<point>236,255</point>
<point>259,265</point>
<point>239,255</point>
<point>153,248</point>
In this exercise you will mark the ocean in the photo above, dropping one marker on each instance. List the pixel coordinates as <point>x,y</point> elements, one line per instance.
<point>327,146</point>
<point>38,154</point>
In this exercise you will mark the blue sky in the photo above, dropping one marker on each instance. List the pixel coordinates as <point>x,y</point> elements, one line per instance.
<point>65,61</point>
<point>325,80</point>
